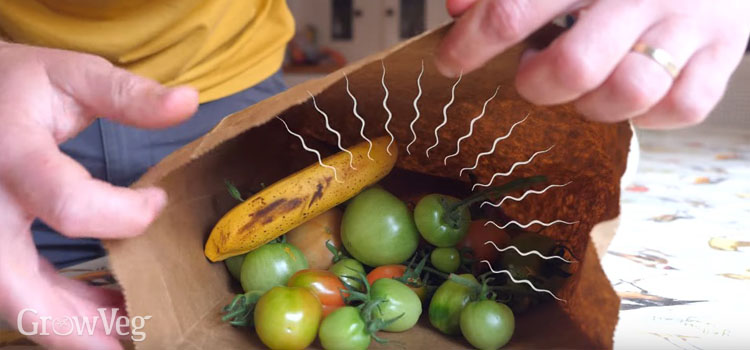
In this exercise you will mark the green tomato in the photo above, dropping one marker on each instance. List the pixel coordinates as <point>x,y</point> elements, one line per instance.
<point>349,270</point>
<point>271,265</point>
<point>487,324</point>
<point>398,300</point>
<point>344,329</point>
<point>287,318</point>
<point>440,227</point>
<point>378,229</point>
<point>446,259</point>
<point>234,265</point>
<point>446,305</point>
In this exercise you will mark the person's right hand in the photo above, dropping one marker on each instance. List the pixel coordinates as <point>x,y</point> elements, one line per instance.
<point>46,97</point>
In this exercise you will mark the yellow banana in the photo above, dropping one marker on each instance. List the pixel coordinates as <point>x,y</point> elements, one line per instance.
<point>299,197</point>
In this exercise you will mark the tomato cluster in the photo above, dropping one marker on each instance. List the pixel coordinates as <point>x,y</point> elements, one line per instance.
<point>343,277</point>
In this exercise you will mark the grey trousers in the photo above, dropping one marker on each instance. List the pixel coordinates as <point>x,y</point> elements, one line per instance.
<point>120,154</point>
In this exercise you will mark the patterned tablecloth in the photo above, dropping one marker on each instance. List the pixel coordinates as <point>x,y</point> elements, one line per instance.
<point>681,257</point>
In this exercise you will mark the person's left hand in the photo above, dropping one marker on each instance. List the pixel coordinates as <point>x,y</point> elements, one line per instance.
<point>593,64</point>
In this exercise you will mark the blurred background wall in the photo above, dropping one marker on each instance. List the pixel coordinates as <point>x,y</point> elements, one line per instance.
<point>331,33</point>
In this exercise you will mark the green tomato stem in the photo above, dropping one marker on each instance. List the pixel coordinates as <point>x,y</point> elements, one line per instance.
<point>240,311</point>
<point>373,324</point>
<point>485,292</point>
<point>464,281</point>
<point>355,295</point>
<point>412,276</point>
<point>337,254</point>
<point>439,273</point>
<point>495,191</point>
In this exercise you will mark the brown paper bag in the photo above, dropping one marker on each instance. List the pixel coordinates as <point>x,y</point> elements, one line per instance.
<point>164,273</point>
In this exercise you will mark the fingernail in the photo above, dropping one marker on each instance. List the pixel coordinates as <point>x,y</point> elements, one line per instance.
<point>155,197</point>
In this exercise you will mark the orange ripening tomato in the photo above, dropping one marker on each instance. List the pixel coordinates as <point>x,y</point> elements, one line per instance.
<point>325,285</point>
<point>311,238</point>
<point>385,271</point>
<point>475,240</point>
<point>396,271</point>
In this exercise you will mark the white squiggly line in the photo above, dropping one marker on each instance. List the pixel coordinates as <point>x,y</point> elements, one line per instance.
<point>445,115</point>
<point>494,144</point>
<point>527,282</point>
<point>518,199</point>
<point>338,135</point>
<point>534,252</point>
<point>356,114</point>
<point>545,224</point>
<point>320,159</point>
<point>511,169</point>
<point>385,106</point>
<point>416,110</point>
<point>471,128</point>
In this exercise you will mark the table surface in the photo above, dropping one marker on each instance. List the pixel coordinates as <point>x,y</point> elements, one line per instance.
<point>681,257</point>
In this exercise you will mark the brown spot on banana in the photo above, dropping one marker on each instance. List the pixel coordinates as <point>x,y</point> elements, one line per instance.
<point>319,191</point>
<point>317,195</point>
<point>270,212</point>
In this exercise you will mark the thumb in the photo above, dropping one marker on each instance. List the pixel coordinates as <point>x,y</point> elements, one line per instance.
<point>488,27</point>
<point>103,90</point>
<point>458,7</point>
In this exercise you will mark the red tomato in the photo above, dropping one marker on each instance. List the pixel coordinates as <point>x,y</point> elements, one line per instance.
<point>396,271</point>
<point>325,285</point>
<point>385,271</point>
<point>475,240</point>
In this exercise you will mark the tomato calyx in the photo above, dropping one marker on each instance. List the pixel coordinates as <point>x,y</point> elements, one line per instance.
<point>412,277</point>
<point>452,216</point>
<point>347,269</point>
<point>339,256</point>
<point>337,253</point>
<point>367,306</point>
<point>482,290</point>
<point>352,296</point>
<point>374,324</point>
<point>239,312</point>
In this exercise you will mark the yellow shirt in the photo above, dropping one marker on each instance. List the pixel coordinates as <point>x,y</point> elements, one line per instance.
<point>219,47</point>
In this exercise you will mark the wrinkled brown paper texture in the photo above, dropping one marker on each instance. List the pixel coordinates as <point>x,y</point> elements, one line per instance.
<point>164,274</point>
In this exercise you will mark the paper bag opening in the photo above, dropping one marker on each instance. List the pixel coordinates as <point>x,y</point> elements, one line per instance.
<point>164,273</point>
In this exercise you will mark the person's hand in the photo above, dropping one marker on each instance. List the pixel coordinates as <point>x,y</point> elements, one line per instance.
<point>593,64</point>
<point>46,97</point>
